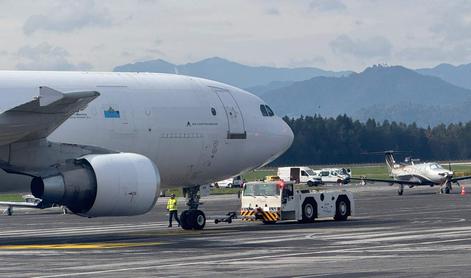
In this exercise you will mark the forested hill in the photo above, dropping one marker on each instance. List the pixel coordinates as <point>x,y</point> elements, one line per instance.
<point>319,140</point>
<point>379,92</point>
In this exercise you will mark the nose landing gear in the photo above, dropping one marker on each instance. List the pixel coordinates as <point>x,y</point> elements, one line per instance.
<point>193,218</point>
<point>446,188</point>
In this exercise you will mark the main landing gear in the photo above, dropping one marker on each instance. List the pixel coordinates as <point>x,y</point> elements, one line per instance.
<point>193,218</point>
<point>400,190</point>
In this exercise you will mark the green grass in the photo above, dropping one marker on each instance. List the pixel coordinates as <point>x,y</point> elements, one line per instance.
<point>373,171</point>
<point>213,191</point>
<point>11,198</point>
<point>258,174</point>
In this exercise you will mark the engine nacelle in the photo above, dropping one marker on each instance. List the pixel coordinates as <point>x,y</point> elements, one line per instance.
<point>119,184</point>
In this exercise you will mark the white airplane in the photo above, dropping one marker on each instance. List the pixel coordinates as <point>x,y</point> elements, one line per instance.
<point>417,174</point>
<point>105,144</point>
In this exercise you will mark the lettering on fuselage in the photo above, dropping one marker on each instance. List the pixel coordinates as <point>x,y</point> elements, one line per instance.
<point>181,135</point>
<point>204,124</point>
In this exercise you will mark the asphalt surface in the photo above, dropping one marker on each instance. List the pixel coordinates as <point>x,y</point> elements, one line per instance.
<point>419,234</point>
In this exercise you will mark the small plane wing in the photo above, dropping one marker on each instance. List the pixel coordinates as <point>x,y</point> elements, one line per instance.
<point>39,117</point>
<point>391,181</point>
<point>460,178</point>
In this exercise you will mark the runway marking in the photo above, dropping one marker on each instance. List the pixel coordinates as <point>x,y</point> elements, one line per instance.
<point>95,245</point>
<point>253,257</point>
<point>224,261</point>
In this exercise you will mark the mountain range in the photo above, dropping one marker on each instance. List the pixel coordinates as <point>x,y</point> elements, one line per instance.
<point>383,93</point>
<point>229,72</point>
<point>426,96</point>
<point>457,75</point>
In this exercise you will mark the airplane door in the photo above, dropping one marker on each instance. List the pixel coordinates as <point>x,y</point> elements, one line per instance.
<point>235,121</point>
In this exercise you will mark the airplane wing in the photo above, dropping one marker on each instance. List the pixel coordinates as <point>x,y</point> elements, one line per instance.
<point>20,204</point>
<point>460,178</point>
<point>39,117</point>
<point>391,181</point>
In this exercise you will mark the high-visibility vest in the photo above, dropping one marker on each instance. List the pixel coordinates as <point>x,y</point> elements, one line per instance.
<point>172,204</point>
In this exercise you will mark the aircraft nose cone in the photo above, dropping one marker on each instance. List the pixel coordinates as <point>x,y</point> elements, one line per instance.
<point>287,135</point>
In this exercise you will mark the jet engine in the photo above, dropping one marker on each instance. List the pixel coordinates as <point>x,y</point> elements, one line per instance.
<point>118,184</point>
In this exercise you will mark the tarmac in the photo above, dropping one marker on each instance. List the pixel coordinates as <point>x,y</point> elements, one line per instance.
<point>419,234</point>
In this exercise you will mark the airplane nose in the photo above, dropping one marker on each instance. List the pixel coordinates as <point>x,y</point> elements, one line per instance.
<point>288,135</point>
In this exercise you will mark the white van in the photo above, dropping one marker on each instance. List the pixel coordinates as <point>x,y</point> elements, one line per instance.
<point>301,174</point>
<point>334,175</point>
<point>235,182</point>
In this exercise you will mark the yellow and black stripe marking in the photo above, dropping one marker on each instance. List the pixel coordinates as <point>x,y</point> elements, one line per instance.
<point>270,216</point>
<point>248,215</point>
<point>252,215</point>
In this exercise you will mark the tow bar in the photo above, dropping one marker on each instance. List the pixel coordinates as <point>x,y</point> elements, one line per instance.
<point>230,215</point>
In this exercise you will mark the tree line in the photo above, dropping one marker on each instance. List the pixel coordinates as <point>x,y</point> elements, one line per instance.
<point>319,140</point>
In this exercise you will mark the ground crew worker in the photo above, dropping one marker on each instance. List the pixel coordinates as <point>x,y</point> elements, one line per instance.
<point>172,210</point>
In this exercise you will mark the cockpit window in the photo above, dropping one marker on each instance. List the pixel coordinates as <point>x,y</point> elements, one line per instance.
<point>435,166</point>
<point>264,110</point>
<point>270,112</point>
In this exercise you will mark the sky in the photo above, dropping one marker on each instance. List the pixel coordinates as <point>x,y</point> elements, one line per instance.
<point>328,34</point>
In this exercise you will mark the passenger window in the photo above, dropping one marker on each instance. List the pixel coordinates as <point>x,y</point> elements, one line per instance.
<point>269,111</point>
<point>213,111</point>
<point>304,174</point>
<point>264,110</point>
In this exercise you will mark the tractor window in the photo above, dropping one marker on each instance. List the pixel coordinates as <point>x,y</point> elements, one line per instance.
<point>262,189</point>
<point>288,191</point>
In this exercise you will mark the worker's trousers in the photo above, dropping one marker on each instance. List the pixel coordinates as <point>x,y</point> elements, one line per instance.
<point>171,215</point>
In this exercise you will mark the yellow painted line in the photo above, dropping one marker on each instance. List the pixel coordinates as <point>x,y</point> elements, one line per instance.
<point>181,233</point>
<point>95,245</point>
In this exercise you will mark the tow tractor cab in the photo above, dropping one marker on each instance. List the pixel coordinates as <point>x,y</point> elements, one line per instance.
<point>300,174</point>
<point>334,175</point>
<point>275,201</point>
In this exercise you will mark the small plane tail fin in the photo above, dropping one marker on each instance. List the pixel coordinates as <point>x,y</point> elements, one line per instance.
<point>389,158</point>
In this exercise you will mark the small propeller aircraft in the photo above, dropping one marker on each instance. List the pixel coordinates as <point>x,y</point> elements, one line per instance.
<point>414,174</point>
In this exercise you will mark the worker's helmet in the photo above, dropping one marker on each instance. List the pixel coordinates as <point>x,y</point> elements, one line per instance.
<point>173,195</point>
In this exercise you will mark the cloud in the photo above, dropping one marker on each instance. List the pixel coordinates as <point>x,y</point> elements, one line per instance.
<point>327,5</point>
<point>272,11</point>
<point>47,57</point>
<point>372,47</point>
<point>452,53</point>
<point>423,54</point>
<point>310,62</point>
<point>68,15</point>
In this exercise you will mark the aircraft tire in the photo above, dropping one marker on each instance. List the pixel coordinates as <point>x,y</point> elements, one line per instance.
<point>197,219</point>
<point>185,220</point>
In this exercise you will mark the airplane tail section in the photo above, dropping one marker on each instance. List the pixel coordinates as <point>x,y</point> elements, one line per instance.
<point>390,162</point>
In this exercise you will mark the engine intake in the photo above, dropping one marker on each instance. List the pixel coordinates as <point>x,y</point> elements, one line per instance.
<point>102,185</point>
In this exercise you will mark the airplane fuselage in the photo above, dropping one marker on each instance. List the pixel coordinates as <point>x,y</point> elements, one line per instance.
<point>194,130</point>
<point>423,172</point>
